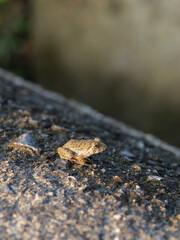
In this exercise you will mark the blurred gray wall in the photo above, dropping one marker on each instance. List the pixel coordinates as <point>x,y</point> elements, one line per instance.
<point>120,56</point>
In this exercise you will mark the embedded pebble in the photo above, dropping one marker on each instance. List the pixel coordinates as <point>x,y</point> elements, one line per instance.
<point>59,129</point>
<point>118,193</point>
<point>25,142</point>
<point>118,179</point>
<point>117,216</point>
<point>81,200</point>
<point>81,189</point>
<point>103,170</point>
<point>72,181</point>
<point>140,145</point>
<point>26,112</point>
<point>97,193</point>
<point>153,178</point>
<point>135,170</point>
<point>127,154</point>
<point>33,122</point>
<point>92,173</point>
<point>157,201</point>
<point>72,178</point>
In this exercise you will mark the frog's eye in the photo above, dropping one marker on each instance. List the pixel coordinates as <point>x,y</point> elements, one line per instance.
<point>96,145</point>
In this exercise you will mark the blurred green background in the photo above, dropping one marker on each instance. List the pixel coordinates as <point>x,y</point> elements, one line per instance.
<point>119,56</point>
<point>15,41</point>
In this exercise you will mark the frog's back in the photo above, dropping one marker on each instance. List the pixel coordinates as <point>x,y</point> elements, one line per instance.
<point>78,145</point>
<point>71,143</point>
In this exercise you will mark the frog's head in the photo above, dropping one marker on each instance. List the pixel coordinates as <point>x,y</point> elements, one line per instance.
<point>97,146</point>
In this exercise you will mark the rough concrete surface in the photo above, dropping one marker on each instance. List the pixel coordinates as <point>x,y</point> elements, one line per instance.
<point>129,191</point>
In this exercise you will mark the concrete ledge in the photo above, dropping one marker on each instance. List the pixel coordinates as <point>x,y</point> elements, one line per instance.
<point>130,190</point>
<point>18,81</point>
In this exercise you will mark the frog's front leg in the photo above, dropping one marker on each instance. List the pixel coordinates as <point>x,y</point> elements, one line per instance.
<point>81,160</point>
<point>66,153</point>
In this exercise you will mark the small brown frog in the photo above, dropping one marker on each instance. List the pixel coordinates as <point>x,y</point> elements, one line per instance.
<point>78,150</point>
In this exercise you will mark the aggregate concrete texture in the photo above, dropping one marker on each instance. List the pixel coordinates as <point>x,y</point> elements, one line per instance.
<point>129,191</point>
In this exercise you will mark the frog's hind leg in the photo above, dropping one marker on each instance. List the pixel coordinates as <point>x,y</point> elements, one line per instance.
<point>66,153</point>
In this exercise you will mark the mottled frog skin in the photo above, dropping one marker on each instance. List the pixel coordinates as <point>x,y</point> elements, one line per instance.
<point>78,150</point>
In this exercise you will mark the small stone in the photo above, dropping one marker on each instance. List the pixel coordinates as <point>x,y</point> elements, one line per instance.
<point>85,180</point>
<point>34,123</point>
<point>72,181</point>
<point>117,230</point>
<point>140,145</point>
<point>59,129</point>
<point>118,179</point>
<point>153,178</point>
<point>118,193</point>
<point>117,216</point>
<point>92,173</point>
<point>134,170</point>
<point>103,170</point>
<point>81,189</point>
<point>126,185</point>
<point>72,178</point>
<point>137,168</point>
<point>97,193</point>
<point>127,154</point>
<point>157,201</point>
<point>25,142</point>
<point>81,200</point>
<point>26,112</point>
<point>149,208</point>
<point>162,191</point>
